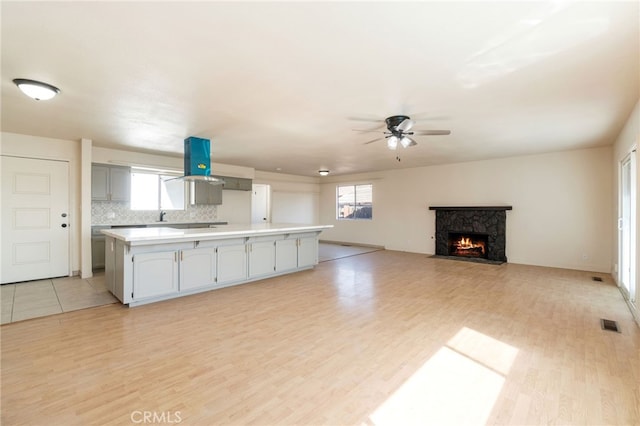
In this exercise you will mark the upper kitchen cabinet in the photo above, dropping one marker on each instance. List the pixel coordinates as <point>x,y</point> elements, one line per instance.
<point>245,184</point>
<point>238,184</point>
<point>110,183</point>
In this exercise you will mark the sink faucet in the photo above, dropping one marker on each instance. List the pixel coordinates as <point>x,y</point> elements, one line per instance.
<point>162,214</point>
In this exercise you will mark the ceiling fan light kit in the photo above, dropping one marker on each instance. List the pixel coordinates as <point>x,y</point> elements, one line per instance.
<point>406,142</point>
<point>398,130</point>
<point>397,122</point>
<point>36,89</point>
<point>392,142</point>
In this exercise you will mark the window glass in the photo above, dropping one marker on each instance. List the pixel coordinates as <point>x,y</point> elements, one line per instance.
<point>144,191</point>
<point>171,193</point>
<point>355,202</point>
<point>152,191</point>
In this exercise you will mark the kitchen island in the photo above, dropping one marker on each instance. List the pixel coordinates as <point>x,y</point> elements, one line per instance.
<point>145,265</point>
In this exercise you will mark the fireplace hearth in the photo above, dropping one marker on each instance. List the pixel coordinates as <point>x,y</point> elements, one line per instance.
<point>472,233</point>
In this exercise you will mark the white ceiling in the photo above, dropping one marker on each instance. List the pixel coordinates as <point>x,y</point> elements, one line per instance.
<point>276,85</point>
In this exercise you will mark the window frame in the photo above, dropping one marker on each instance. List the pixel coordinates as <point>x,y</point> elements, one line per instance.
<point>162,176</point>
<point>340,205</point>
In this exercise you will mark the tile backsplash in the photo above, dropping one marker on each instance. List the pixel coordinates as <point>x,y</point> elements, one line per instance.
<point>119,213</point>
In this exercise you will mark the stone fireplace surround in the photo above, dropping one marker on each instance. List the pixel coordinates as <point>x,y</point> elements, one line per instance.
<point>489,220</point>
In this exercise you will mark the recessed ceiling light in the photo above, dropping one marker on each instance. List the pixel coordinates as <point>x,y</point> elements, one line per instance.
<point>36,89</point>
<point>323,172</point>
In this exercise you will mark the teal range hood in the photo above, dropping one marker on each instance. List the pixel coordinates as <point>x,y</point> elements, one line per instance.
<point>197,160</point>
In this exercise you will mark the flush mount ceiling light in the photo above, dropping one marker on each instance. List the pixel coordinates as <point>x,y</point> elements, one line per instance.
<point>323,172</point>
<point>36,89</point>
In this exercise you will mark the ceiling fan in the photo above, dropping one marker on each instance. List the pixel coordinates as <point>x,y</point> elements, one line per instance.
<point>398,132</point>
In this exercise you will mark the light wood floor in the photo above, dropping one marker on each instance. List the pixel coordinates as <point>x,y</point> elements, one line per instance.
<point>380,338</point>
<point>32,299</point>
<point>333,251</point>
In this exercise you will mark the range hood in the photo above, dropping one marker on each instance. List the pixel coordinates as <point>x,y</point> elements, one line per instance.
<point>197,161</point>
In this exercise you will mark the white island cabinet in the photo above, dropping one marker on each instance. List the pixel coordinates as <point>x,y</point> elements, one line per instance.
<point>262,256</point>
<point>198,268</point>
<point>232,261</point>
<point>286,254</point>
<point>155,274</point>
<point>145,265</point>
<point>307,250</point>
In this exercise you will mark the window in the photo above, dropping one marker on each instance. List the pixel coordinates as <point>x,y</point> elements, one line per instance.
<point>355,202</point>
<point>154,191</point>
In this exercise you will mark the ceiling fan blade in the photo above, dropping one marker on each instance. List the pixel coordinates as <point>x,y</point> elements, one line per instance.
<point>367,131</point>
<point>427,116</point>
<point>406,142</point>
<point>374,140</point>
<point>433,132</point>
<point>405,125</point>
<point>370,119</point>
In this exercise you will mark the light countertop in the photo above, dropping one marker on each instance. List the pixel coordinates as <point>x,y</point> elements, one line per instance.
<point>159,235</point>
<point>212,222</point>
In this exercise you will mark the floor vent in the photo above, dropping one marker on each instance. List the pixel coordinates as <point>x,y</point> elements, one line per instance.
<point>596,279</point>
<point>609,325</point>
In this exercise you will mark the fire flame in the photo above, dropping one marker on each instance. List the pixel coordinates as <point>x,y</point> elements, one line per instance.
<point>466,243</point>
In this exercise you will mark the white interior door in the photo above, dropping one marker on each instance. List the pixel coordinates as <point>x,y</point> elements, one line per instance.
<point>627,226</point>
<point>260,203</point>
<point>35,219</point>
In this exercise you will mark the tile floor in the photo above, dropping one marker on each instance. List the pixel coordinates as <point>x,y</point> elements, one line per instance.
<point>40,298</point>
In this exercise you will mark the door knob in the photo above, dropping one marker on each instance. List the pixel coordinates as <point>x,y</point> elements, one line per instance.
<point>63,215</point>
<point>64,225</point>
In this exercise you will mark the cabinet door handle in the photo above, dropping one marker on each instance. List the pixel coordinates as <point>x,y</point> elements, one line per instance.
<point>181,255</point>
<point>175,256</point>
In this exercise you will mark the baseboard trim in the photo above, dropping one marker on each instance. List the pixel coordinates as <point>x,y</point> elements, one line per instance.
<point>625,296</point>
<point>634,311</point>
<point>344,243</point>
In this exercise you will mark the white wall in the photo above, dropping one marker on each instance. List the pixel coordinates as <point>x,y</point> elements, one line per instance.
<point>294,199</point>
<point>561,206</point>
<point>236,210</point>
<point>54,149</point>
<point>175,163</point>
<point>235,207</point>
<point>562,202</point>
<point>294,207</point>
<point>628,139</point>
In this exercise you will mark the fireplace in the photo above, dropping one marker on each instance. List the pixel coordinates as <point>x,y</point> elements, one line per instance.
<point>468,244</point>
<point>472,233</point>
